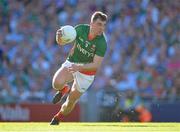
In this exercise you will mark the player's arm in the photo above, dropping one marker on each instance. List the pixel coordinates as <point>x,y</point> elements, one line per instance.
<point>89,66</point>
<point>92,66</point>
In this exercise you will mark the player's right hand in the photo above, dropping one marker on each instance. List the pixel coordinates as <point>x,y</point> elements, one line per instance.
<point>58,36</point>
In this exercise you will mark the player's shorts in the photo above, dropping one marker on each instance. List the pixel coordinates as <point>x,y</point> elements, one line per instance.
<point>83,81</point>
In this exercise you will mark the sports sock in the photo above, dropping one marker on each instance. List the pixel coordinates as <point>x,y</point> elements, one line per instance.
<point>65,89</point>
<point>59,116</point>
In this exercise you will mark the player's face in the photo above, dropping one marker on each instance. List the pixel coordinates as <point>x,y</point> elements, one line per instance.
<point>98,27</point>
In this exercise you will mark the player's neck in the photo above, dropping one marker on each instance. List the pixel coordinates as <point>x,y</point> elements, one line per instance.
<point>91,35</point>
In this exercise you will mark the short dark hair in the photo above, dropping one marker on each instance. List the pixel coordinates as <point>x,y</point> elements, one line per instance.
<point>98,15</point>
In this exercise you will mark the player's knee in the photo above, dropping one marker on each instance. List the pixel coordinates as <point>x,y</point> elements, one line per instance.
<point>57,85</point>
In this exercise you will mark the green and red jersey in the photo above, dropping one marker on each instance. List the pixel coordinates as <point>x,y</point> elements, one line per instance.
<point>84,49</point>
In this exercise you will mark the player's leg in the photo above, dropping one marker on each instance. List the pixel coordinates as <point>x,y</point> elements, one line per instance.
<point>80,85</point>
<point>68,105</point>
<point>71,100</point>
<point>59,83</point>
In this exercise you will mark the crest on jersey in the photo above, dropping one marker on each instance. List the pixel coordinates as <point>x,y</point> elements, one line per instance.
<point>87,44</point>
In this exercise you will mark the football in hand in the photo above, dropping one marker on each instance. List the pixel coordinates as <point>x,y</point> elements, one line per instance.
<point>66,34</point>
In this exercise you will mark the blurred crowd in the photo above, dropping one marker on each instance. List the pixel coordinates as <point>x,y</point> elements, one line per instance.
<point>143,39</point>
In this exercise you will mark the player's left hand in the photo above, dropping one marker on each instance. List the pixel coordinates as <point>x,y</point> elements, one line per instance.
<point>74,68</point>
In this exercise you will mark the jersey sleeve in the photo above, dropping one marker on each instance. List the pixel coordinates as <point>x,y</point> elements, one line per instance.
<point>78,29</point>
<point>101,49</point>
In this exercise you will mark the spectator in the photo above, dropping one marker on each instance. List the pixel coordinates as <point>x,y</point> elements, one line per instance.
<point>143,40</point>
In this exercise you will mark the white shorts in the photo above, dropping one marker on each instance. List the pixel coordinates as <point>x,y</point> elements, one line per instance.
<point>83,81</point>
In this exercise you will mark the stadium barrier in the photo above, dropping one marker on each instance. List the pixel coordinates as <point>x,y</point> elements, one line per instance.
<point>34,112</point>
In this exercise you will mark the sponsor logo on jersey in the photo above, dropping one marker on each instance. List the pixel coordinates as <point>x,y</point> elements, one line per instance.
<point>84,51</point>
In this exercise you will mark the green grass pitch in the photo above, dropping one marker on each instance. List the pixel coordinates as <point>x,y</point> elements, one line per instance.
<point>89,127</point>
